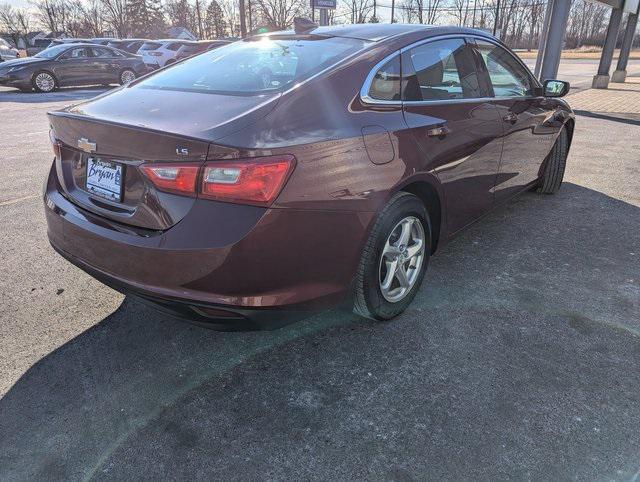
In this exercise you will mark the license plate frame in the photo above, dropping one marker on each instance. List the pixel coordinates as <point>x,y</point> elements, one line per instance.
<point>104,178</point>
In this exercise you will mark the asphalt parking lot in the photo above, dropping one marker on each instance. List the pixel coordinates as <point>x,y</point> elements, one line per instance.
<point>519,359</point>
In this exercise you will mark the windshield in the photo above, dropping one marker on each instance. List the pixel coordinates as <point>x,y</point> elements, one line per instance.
<point>254,66</point>
<point>52,52</point>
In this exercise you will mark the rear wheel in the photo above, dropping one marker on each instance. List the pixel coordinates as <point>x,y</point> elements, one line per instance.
<point>127,76</point>
<point>394,259</point>
<point>555,165</point>
<point>44,82</point>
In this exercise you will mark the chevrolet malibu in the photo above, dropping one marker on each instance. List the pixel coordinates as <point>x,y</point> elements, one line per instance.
<point>293,171</point>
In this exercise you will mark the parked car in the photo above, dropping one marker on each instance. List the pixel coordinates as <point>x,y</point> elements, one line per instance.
<point>64,41</point>
<point>229,201</point>
<point>195,48</point>
<point>133,45</point>
<point>7,52</point>
<point>128,45</point>
<point>158,53</point>
<point>102,41</point>
<point>71,64</point>
<point>38,46</point>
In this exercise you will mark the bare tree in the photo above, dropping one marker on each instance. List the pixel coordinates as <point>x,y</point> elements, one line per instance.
<point>94,19</point>
<point>14,21</point>
<point>115,16</point>
<point>360,10</point>
<point>280,13</point>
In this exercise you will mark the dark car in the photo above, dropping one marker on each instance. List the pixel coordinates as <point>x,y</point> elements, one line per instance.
<point>128,45</point>
<point>227,200</point>
<point>69,65</point>
<point>195,48</point>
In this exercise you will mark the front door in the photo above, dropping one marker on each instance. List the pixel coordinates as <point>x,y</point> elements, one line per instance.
<point>527,119</point>
<point>457,129</point>
<point>72,66</point>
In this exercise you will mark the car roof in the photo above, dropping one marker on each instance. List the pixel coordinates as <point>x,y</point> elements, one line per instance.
<point>375,32</point>
<point>167,40</point>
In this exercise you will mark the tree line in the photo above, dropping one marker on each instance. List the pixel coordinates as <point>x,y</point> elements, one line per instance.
<point>518,22</point>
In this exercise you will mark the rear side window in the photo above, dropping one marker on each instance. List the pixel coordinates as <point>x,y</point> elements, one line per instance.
<point>441,70</point>
<point>174,46</point>
<point>508,77</point>
<point>385,84</point>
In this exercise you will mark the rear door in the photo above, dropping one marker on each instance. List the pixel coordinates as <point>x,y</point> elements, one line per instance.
<point>527,118</point>
<point>106,62</point>
<point>457,129</point>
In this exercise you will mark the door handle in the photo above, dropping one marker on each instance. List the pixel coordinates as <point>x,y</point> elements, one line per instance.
<point>510,117</point>
<point>439,132</point>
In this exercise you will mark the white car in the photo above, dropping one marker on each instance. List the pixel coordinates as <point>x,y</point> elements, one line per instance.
<point>158,53</point>
<point>7,52</point>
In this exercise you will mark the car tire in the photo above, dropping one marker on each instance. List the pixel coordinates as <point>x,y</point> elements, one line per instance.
<point>386,254</point>
<point>127,76</point>
<point>44,82</point>
<point>555,165</point>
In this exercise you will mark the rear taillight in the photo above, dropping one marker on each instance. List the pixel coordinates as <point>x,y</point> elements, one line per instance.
<point>251,181</point>
<point>175,178</point>
<point>55,144</point>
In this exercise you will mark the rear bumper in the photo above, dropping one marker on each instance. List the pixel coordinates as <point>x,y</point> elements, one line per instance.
<point>221,260</point>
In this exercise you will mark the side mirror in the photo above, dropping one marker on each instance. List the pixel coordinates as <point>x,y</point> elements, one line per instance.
<point>555,88</point>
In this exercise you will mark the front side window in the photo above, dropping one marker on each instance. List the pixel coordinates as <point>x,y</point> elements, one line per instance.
<point>80,53</point>
<point>255,65</point>
<point>102,53</point>
<point>508,77</point>
<point>441,70</point>
<point>385,84</point>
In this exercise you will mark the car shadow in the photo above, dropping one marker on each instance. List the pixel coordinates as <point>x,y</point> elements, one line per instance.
<point>519,358</point>
<point>63,94</point>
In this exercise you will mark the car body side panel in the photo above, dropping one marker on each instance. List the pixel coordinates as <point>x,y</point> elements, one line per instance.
<point>528,138</point>
<point>466,159</point>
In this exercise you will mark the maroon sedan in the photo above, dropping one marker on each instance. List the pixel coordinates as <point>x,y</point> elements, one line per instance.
<point>293,171</point>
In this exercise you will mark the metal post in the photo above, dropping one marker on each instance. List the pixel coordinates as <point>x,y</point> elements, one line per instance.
<point>243,24</point>
<point>620,74</point>
<point>542,41</point>
<point>393,7</point>
<point>554,39</point>
<point>324,16</point>
<point>601,79</point>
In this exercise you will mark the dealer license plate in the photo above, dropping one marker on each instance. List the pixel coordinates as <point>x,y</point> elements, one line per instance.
<point>104,178</point>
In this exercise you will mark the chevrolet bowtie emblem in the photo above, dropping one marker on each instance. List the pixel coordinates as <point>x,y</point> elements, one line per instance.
<point>86,146</point>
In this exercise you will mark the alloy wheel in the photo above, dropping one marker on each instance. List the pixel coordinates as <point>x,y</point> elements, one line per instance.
<point>401,259</point>
<point>127,76</point>
<point>45,82</point>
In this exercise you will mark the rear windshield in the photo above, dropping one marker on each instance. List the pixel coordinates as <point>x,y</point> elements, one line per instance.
<point>254,66</point>
<point>150,46</point>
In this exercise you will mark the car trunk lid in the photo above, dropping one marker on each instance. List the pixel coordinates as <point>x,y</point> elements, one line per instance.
<point>103,142</point>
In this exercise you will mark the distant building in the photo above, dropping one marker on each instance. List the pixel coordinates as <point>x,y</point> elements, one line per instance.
<point>181,33</point>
